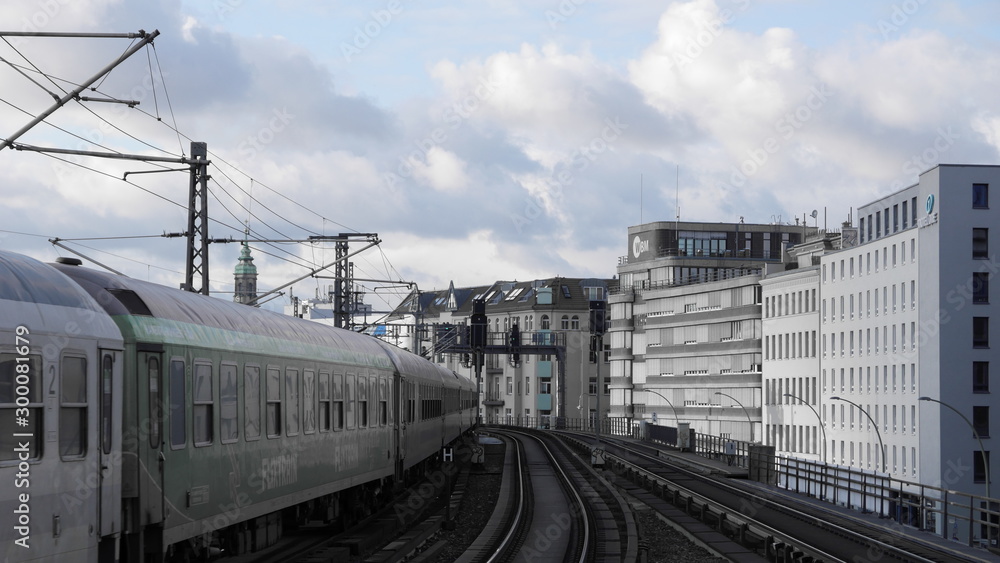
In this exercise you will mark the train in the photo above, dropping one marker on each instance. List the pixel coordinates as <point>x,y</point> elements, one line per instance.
<point>142,423</point>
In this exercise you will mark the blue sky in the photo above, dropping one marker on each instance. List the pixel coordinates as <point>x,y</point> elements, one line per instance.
<point>490,140</point>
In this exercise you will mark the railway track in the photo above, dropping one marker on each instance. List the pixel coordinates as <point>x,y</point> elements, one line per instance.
<point>558,509</point>
<point>772,523</point>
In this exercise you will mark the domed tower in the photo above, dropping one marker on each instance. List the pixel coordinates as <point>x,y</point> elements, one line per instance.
<point>245,276</point>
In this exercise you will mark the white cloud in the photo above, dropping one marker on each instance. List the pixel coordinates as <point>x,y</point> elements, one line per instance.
<point>443,170</point>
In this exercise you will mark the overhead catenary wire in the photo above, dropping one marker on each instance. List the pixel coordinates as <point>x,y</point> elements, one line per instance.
<point>250,195</point>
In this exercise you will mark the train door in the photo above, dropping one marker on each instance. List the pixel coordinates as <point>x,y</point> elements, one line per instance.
<point>399,437</point>
<point>148,407</point>
<point>110,441</point>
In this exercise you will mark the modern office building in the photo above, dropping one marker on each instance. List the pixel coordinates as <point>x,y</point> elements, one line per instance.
<point>686,324</point>
<point>791,328</point>
<point>908,312</point>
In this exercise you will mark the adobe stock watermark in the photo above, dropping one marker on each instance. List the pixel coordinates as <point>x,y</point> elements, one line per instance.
<point>580,159</point>
<point>255,143</point>
<point>377,22</point>
<point>563,12</point>
<point>224,8</point>
<point>454,116</point>
<point>927,158</point>
<point>899,17</point>
<point>708,30</point>
<point>786,127</point>
<point>47,12</point>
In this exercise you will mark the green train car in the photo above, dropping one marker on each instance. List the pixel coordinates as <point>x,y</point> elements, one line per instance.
<point>236,421</point>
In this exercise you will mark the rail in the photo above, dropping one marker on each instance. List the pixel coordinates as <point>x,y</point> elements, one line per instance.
<point>910,503</point>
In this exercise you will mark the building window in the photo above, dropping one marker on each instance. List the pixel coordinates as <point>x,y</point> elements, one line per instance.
<point>980,196</point>
<point>978,467</point>
<point>981,421</point>
<point>564,323</point>
<point>980,377</point>
<point>980,243</point>
<point>981,287</point>
<point>545,322</point>
<point>905,217</point>
<point>574,323</point>
<point>980,332</point>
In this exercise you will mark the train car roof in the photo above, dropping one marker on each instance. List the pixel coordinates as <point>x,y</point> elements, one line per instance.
<point>25,279</point>
<point>136,299</point>
<point>43,298</point>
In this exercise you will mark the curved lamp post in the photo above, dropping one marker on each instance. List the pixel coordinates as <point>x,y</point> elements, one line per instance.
<point>672,409</point>
<point>885,467</point>
<point>744,412</point>
<point>822,428</point>
<point>982,450</point>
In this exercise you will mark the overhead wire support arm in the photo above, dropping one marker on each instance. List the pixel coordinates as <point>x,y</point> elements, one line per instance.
<point>314,272</point>
<point>131,35</point>
<point>74,94</point>
<point>55,241</point>
<point>116,155</point>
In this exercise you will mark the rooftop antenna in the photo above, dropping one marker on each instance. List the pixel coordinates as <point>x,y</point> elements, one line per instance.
<point>677,197</point>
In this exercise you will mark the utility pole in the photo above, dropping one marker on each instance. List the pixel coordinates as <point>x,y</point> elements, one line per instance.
<point>197,228</point>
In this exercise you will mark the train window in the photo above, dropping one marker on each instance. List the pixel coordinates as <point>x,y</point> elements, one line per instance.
<point>349,399</point>
<point>251,402</point>
<point>383,406</point>
<point>21,376</point>
<point>388,394</point>
<point>155,406</point>
<point>324,402</point>
<point>292,401</point>
<point>229,430</point>
<point>178,437</point>
<point>308,401</point>
<point>411,402</point>
<point>73,408</point>
<point>204,401</point>
<point>338,401</point>
<point>362,401</point>
<point>273,402</point>
<point>107,371</point>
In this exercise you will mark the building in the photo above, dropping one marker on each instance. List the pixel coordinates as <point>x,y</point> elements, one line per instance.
<point>549,313</point>
<point>920,282</point>
<point>245,277</point>
<point>902,366</point>
<point>791,369</point>
<point>686,324</point>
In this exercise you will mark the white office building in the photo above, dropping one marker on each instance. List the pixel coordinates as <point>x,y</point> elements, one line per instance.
<point>902,311</point>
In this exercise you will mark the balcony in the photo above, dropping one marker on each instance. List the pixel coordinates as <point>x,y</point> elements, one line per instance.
<point>493,400</point>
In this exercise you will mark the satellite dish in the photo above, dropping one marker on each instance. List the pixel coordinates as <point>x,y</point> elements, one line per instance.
<point>813,214</point>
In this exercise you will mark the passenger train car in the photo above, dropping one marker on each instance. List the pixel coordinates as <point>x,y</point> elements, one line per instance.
<point>177,425</point>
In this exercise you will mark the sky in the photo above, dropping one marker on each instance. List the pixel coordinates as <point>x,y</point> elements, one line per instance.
<point>481,141</point>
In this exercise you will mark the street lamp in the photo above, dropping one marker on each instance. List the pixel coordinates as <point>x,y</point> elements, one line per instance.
<point>744,412</point>
<point>672,409</point>
<point>822,428</point>
<point>877,433</point>
<point>982,450</point>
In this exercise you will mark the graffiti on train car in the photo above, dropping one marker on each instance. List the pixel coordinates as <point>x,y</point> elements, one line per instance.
<point>278,471</point>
